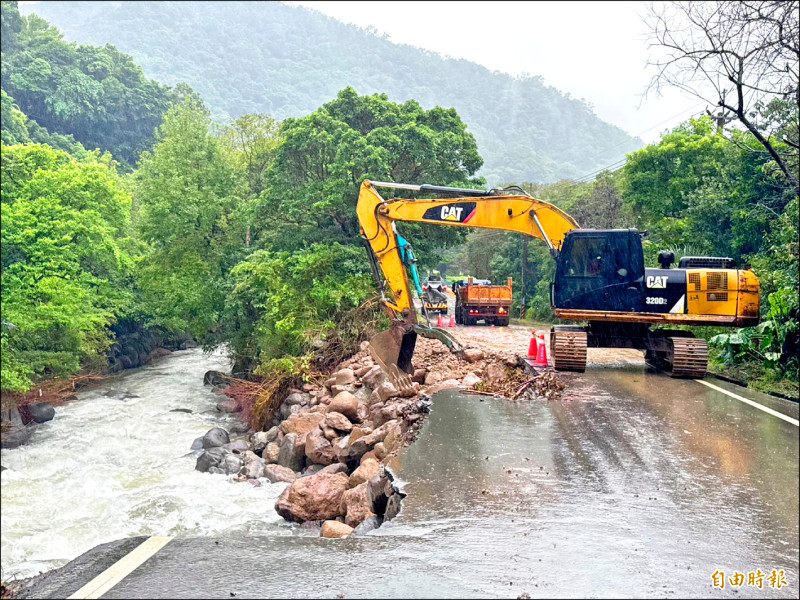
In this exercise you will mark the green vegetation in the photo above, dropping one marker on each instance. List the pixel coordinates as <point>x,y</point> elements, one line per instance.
<point>96,95</point>
<point>64,261</point>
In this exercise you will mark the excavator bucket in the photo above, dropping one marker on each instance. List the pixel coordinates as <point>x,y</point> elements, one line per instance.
<point>392,351</point>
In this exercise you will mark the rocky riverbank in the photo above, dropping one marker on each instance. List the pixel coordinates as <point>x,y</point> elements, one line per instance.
<point>331,441</point>
<point>134,347</point>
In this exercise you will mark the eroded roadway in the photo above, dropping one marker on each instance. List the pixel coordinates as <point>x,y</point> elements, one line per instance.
<point>630,485</point>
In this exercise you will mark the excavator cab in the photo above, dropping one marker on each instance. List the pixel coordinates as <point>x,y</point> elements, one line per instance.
<point>599,269</point>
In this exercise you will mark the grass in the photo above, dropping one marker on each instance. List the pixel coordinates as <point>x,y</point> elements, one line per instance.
<point>757,377</point>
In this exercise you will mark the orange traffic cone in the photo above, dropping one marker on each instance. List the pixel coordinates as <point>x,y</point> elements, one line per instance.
<point>541,356</point>
<point>452,321</point>
<point>532,346</point>
<point>439,322</point>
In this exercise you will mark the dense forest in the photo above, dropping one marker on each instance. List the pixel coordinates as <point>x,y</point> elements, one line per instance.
<point>244,232</point>
<point>268,57</point>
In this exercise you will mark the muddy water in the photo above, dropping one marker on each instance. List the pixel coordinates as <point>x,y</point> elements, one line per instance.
<point>114,464</point>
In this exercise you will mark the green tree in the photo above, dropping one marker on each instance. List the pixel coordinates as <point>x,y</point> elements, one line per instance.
<point>64,268</point>
<point>97,95</point>
<point>286,303</point>
<point>187,193</point>
<point>314,181</point>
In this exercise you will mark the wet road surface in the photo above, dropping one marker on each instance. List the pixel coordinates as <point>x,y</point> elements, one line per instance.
<point>630,485</point>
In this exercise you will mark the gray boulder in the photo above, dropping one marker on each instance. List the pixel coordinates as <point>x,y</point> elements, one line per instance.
<point>237,446</point>
<point>368,525</point>
<point>209,459</point>
<point>215,437</point>
<point>16,434</point>
<point>231,464</point>
<point>292,454</point>
<point>41,413</point>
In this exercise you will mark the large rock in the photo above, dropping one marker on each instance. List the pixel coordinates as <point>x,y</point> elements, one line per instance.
<point>302,422</point>
<point>361,371</point>
<point>378,491</point>
<point>41,413</point>
<point>344,377</point>
<point>338,421</point>
<point>470,380</point>
<point>346,404</point>
<point>335,529</point>
<point>374,377</point>
<point>368,525</point>
<point>237,446</point>
<point>16,433</point>
<point>277,473</point>
<point>383,392</point>
<point>311,470</point>
<point>392,507</point>
<point>419,375</point>
<point>292,453</point>
<point>319,449</point>
<point>229,406</point>
<point>355,505</point>
<point>260,439</point>
<point>380,451</point>
<point>335,468</point>
<point>394,439</point>
<point>494,375</point>
<point>208,459</point>
<point>297,398</point>
<point>216,379</point>
<point>272,452</point>
<point>231,464</point>
<point>472,355</point>
<point>315,498</point>
<point>215,437</point>
<point>359,432</point>
<point>350,452</point>
<point>433,377</point>
<point>253,465</point>
<point>366,471</point>
<point>287,410</point>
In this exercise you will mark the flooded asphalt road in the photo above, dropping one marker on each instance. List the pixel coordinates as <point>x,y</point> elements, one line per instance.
<point>631,485</point>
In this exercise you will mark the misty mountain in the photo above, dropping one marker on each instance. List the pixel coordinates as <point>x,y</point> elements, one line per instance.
<point>246,57</point>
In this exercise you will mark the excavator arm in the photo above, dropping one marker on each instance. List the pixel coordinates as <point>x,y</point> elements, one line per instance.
<point>497,209</point>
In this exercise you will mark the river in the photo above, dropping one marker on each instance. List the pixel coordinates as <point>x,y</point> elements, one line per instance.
<point>116,463</point>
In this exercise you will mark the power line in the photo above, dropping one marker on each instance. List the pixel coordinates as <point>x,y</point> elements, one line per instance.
<point>616,166</point>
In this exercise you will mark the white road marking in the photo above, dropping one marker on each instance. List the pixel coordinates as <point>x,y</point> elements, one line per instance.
<point>774,413</point>
<point>121,569</point>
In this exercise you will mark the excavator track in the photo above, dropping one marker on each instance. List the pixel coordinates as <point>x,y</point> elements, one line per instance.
<point>680,357</point>
<point>568,349</point>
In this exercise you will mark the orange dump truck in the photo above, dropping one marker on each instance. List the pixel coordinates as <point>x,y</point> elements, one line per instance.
<point>481,301</point>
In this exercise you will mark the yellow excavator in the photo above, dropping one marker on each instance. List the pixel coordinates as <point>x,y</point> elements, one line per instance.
<point>600,279</point>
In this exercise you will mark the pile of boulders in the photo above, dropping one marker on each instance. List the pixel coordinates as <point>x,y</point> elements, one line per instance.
<point>330,441</point>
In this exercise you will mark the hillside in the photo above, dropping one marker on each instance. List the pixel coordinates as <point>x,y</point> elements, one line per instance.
<point>245,57</point>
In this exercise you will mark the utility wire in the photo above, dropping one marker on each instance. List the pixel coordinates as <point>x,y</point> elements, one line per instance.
<point>616,166</point>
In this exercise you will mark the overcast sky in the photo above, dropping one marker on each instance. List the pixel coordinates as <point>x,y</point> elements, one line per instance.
<point>593,50</point>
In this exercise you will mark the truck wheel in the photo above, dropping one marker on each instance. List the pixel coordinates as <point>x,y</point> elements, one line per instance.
<point>502,322</point>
